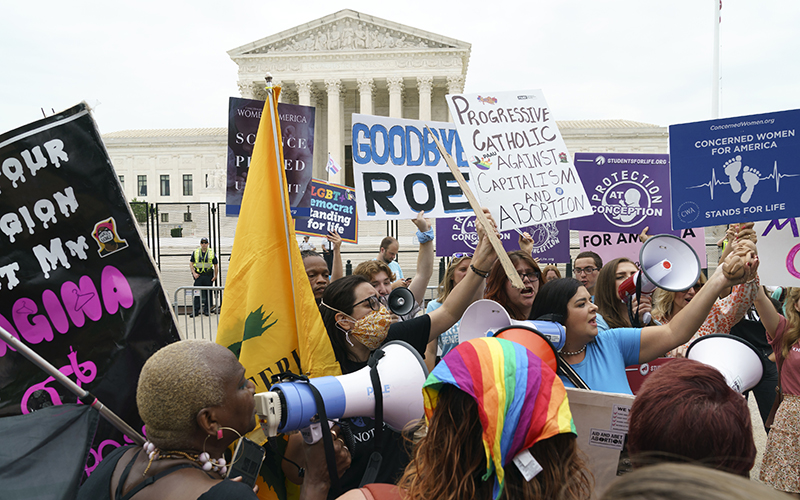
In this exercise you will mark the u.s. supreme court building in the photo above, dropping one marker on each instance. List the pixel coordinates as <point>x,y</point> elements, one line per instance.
<point>341,64</point>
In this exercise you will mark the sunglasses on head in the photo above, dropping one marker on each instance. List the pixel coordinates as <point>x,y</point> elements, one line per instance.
<point>461,255</point>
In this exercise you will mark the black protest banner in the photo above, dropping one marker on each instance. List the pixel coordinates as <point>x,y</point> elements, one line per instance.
<point>76,282</point>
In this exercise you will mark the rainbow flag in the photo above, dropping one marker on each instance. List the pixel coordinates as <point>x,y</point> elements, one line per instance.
<point>269,318</point>
<point>520,399</point>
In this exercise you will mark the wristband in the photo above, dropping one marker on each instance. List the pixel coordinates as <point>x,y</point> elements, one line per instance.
<point>425,237</point>
<point>482,274</point>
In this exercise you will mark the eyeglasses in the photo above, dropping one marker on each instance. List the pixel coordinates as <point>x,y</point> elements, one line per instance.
<point>373,302</point>
<point>697,286</point>
<point>460,255</point>
<point>531,276</point>
<point>585,270</point>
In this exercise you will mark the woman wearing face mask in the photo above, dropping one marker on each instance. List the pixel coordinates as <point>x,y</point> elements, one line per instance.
<point>357,324</point>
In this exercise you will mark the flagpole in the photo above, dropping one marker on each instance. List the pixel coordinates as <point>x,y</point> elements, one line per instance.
<point>715,62</point>
<point>282,182</point>
<point>85,396</point>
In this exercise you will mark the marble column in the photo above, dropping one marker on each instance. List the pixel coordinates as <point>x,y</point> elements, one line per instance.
<point>304,88</point>
<point>425,85</point>
<point>366,86</point>
<point>395,84</point>
<point>245,90</point>
<point>335,148</point>
<point>455,85</point>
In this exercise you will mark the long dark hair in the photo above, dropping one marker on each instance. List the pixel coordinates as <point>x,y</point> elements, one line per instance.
<point>449,462</point>
<point>339,295</point>
<point>606,298</point>
<point>554,297</point>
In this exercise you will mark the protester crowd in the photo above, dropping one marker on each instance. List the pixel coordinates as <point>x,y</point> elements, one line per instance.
<point>497,418</point>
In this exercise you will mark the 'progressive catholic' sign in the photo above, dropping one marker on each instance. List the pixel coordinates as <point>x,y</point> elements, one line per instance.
<point>735,169</point>
<point>519,163</point>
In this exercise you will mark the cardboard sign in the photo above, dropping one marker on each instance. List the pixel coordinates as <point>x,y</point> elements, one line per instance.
<point>77,283</point>
<point>297,133</point>
<point>610,246</point>
<point>399,172</point>
<point>628,192</point>
<point>458,235</point>
<point>778,246</point>
<point>735,169</point>
<point>333,208</point>
<point>519,163</point>
<point>599,419</point>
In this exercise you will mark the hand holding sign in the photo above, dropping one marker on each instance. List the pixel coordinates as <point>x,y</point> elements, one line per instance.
<point>483,216</point>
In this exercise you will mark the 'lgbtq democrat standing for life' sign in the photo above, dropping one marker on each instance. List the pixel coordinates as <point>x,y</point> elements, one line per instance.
<point>399,172</point>
<point>628,192</point>
<point>333,208</point>
<point>735,169</point>
<point>519,163</point>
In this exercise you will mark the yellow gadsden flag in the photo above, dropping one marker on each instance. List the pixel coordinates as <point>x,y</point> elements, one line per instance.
<point>269,318</point>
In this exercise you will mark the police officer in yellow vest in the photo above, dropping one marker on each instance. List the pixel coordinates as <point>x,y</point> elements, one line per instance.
<point>203,264</point>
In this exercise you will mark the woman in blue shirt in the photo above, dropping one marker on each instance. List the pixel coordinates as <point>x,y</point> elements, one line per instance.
<point>600,359</point>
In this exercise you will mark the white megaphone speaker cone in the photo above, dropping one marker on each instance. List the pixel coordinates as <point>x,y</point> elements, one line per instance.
<point>737,360</point>
<point>482,318</point>
<point>400,301</point>
<point>666,262</point>
<point>291,406</point>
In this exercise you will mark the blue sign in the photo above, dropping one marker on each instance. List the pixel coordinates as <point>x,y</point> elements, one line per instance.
<point>735,169</point>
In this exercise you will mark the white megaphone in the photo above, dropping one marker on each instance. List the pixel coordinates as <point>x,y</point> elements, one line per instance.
<point>665,261</point>
<point>737,359</point>
<point>291,406</point>
<point>483,318</point>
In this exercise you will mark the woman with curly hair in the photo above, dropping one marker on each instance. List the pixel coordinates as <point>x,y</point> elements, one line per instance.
<point>516,301</point>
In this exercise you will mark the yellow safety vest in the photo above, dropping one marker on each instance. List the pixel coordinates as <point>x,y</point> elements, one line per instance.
<point>203,266</point>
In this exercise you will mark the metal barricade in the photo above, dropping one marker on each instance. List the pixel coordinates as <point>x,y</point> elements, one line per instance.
<point>197,326</point>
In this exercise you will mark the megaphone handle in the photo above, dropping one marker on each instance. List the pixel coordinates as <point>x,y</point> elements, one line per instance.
<point>327,441</point>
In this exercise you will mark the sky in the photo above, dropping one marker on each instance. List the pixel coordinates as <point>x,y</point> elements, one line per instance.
<point>157,65</point>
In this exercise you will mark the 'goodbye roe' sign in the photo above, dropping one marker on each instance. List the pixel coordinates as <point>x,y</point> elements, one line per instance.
<point>518,160</point>
<point>399,171</point>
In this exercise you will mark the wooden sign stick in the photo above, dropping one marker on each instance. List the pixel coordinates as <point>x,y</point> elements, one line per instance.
<point>488,228</point>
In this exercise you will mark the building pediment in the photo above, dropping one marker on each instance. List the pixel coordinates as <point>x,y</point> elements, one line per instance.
<point>348,30</point>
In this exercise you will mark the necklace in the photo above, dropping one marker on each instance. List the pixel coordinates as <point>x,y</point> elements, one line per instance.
<point>574,353</point>
<point>206,462</point>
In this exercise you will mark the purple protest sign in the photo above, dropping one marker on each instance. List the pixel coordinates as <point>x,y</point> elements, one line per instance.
<point>297,133</point>
<point>627,192</point>
<point>550,240</point>
<point>610,246</point>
